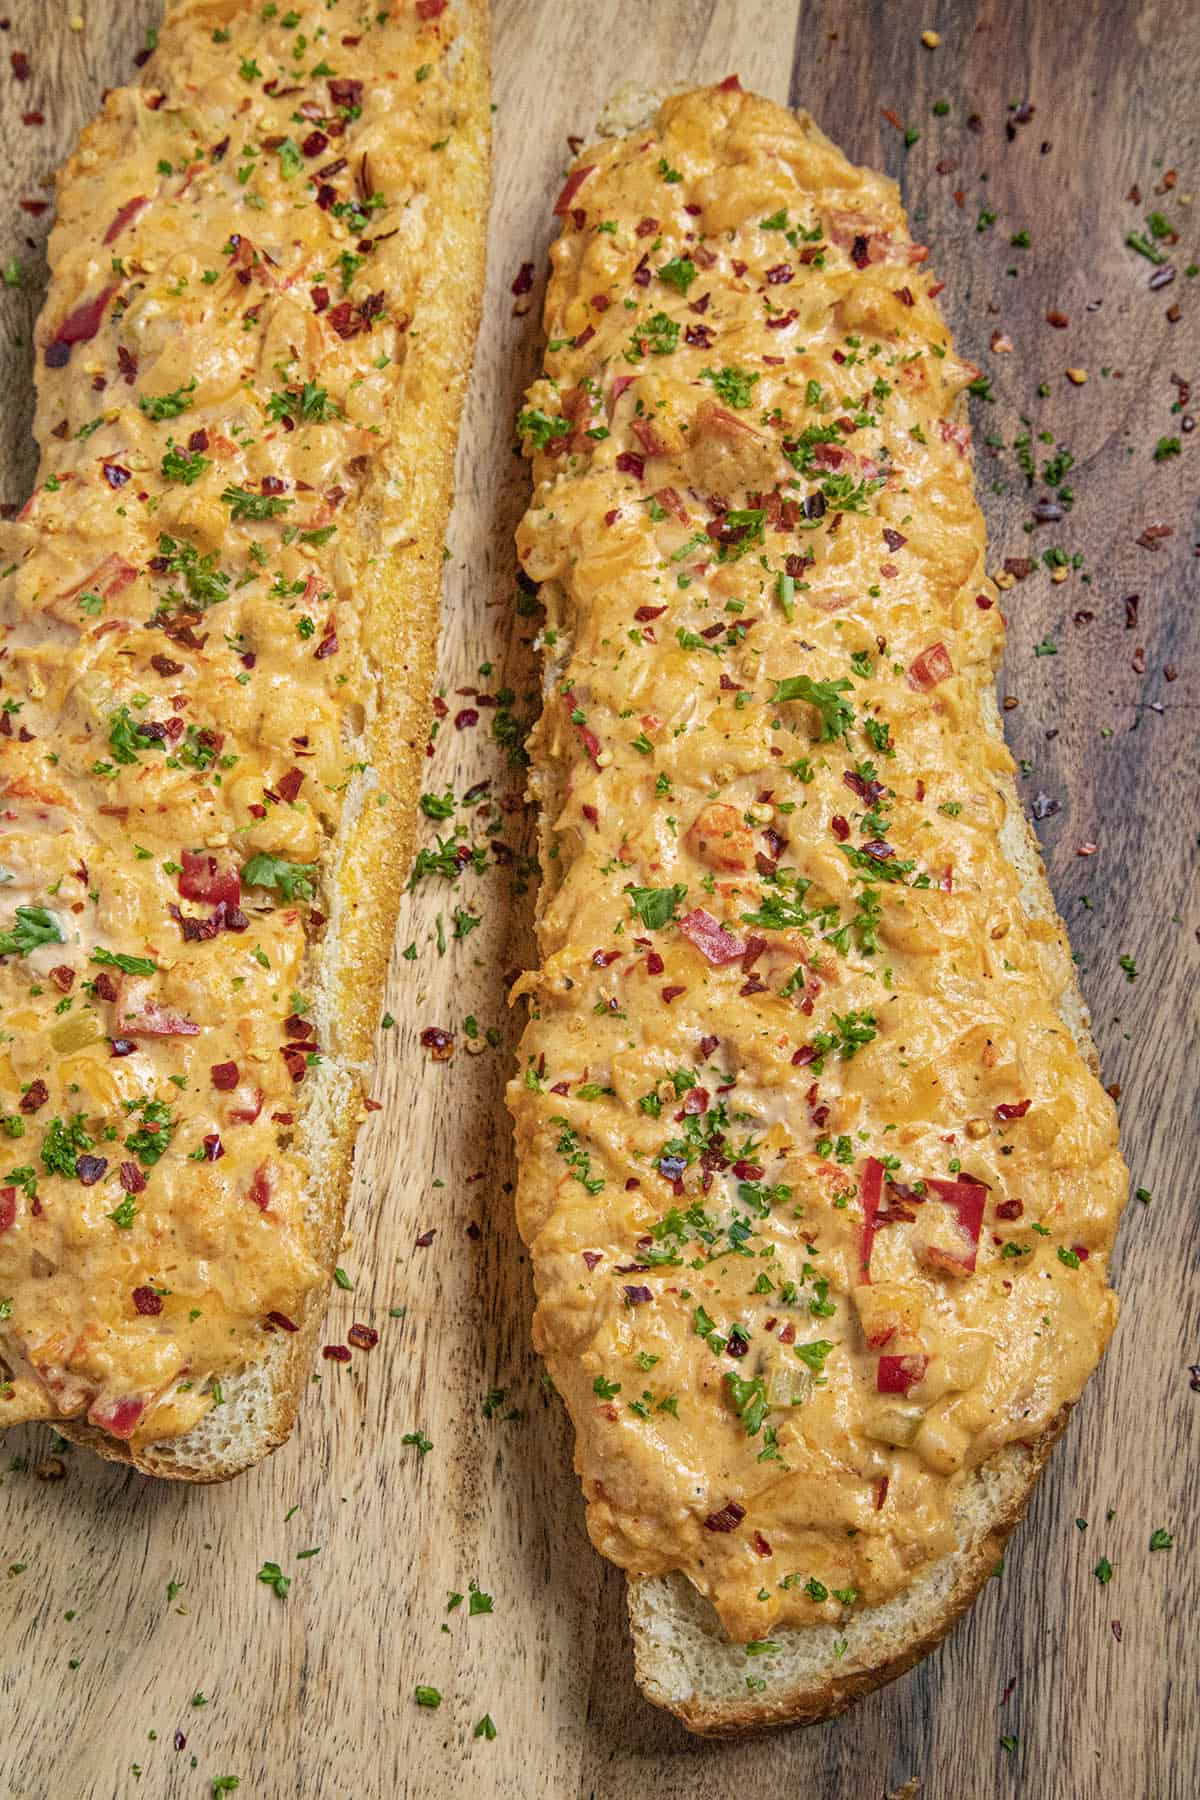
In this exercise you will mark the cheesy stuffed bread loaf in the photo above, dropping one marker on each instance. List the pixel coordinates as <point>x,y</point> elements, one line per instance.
<point>218,621</point>
<point>816,1171</point>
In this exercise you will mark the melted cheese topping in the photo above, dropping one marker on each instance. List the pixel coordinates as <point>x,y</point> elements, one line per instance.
<point>185,684</point>
<point>818,1186</point>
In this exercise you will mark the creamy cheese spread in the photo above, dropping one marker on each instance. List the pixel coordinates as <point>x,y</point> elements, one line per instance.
<point>183,685</point>
<point>818,1186</point>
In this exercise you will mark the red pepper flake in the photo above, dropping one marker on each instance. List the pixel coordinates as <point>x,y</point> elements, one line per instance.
<point>1010,1209</point>
<point>1059,320</point>
<point>1116,1629</point>
<point>34,1096</point>
<point>672,993</point>
<point>20,65</point>
<point>336,1353</point>
<point>464,719</point>
<point>426,1238</point>
<point>592,1258</point>
<point>320,295</point>
<point>282,1321</point>
<point>439,1043</point>
<point>147,1302</point>
<point>1014,1110</point>
<point>524,279</point>
<point>727,1519</point>
<point>760,1545</point>
<point>840,828</point>
<point>363,1337</point>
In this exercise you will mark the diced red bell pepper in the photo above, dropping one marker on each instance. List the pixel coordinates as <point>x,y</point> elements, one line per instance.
<point>870,1192</point>
<point>931,667</point>
<point>260,1187</point>
<point>118,1417</point>
<point>669,499</point>
<point>646,435</point>
<point>714,943</point>
<point>153,1020</point>
<point>203,878</point>
<point>107,578</point>
<point>125,216</point>
<point>83,321</point>
<point>968,1198</point>
<point>897,1374</point>
<point>574,182</point>
<point>590,741</point>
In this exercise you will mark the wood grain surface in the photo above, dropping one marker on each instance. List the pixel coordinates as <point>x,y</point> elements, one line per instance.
<point>131,1612</point>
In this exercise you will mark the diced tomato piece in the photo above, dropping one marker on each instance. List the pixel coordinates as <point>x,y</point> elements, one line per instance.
<point>714,943</point>
<point>931,667</point>
<point>246,1115</point>
<point>897,1374</point>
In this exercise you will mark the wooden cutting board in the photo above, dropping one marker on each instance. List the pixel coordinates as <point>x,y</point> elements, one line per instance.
<point>130,1612</point>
